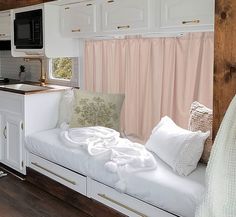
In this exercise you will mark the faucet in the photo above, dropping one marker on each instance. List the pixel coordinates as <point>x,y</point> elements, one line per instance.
<point>42,78</point>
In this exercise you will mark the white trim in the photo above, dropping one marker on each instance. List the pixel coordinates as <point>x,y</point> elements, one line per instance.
<point>80,73</point>
<point>74,81</point>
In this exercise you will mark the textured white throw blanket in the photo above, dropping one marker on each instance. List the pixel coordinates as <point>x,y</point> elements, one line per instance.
<point>121,155</point>
<point>220,197</point>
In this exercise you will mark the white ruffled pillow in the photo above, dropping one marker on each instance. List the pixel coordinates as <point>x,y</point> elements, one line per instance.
<point>179,148</point>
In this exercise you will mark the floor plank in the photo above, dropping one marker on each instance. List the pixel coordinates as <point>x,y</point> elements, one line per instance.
<point>22,199</point>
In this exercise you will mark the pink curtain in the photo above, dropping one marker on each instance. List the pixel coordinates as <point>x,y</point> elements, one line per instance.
<point>159,76</point>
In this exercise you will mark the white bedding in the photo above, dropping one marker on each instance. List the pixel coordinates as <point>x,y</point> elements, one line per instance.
<point>160,187</point>
<point>121,155</point>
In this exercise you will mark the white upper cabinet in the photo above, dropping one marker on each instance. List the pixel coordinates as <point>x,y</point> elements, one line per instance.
<point>81,19</point>
<point>5,25</point>
<point>53,43</point>
<point>186,15</point>
<point>78,19</point>
<point>125,15</point>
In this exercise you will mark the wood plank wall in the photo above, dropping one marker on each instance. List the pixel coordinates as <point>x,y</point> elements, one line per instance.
<point>9,4</point>
<point>225,54</point>
<point>225,59</point>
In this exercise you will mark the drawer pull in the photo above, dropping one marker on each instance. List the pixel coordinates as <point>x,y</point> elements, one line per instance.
<point>110,1</point>
<point>89,4</point>
<point>4,132</point>
<point>123,27</point>
<point>67,8</point>
<point>2,34</point>
<point>75,30</point>
<point>191,21</point>
<point>121,205</point>
<point>59,176</point>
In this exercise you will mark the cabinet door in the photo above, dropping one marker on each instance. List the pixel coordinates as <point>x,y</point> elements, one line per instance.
<point>2,141</point>
<point>13,135</point>
<point>5,27</point>
<point>125,15</point>
<point>78,19</point>
<point>186,13</point>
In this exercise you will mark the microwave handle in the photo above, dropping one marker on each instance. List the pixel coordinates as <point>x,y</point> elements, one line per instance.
<point>15,31</point>
<point>32,30</point>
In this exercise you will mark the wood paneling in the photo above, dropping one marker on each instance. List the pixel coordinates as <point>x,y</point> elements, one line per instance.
<point>9,4</point>
<point>225,59</point>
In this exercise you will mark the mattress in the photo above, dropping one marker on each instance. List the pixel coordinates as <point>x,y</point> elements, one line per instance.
<point>160,187</point>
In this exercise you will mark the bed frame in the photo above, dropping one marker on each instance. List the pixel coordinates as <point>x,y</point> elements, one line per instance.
<point>92,197</point>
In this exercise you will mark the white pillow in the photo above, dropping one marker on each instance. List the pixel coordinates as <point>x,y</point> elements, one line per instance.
<point>66,107</point>
<point>179,148</point>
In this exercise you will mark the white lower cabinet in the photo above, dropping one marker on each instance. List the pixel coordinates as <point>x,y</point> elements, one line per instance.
<point>12,132</point>
<point>21,115</point>
<point>2,141</point>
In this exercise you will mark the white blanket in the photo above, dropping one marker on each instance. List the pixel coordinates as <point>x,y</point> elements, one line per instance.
<point>220,197</point>
<point>121,155</point>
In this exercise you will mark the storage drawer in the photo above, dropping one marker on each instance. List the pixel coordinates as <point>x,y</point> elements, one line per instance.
<point>124,203</point>
<point>60,174</point>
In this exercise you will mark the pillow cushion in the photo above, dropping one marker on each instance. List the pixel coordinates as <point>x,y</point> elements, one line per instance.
<point>66,107</point>
<point>179,148</point>
<point>96,109</point>
<point>201,118</point>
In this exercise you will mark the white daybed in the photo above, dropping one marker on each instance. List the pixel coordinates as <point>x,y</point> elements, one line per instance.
<point>157,193</point>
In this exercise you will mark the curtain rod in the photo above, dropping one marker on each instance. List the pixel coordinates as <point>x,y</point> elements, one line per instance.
<point>121,37</point>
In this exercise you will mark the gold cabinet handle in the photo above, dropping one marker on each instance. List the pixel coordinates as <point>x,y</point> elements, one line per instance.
<point>75,30</point>
<point>59,176</point>
<point>4,132</point>
<point>191,21</point>
<point>121,205</point>
<point>123,27</point>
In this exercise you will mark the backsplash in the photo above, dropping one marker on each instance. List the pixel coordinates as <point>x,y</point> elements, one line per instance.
<point>10,67</point>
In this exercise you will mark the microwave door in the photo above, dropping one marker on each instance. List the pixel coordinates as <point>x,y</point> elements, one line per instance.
<point>23,33</point>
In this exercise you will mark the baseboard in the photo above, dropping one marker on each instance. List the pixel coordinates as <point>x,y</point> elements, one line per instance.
<point>12,171</point>
<point>77,200</point>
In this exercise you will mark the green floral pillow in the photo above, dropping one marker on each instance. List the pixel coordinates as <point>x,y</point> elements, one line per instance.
<point>96,109</point>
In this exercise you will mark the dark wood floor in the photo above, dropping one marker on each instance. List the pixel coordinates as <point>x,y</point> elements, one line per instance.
<point>22,199</point>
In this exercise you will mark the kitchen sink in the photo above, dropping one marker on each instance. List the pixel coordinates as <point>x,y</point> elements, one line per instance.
<point>24,87</point>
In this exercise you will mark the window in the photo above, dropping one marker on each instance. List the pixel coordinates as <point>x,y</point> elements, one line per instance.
<point>61,68</point>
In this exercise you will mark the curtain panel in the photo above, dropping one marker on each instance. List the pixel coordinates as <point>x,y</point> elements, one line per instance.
<point>159,76</point>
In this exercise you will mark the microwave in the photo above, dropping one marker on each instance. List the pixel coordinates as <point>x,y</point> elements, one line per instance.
<point>28,29</point>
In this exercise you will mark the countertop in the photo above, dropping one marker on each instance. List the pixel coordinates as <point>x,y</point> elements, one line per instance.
<point>49,87</point>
